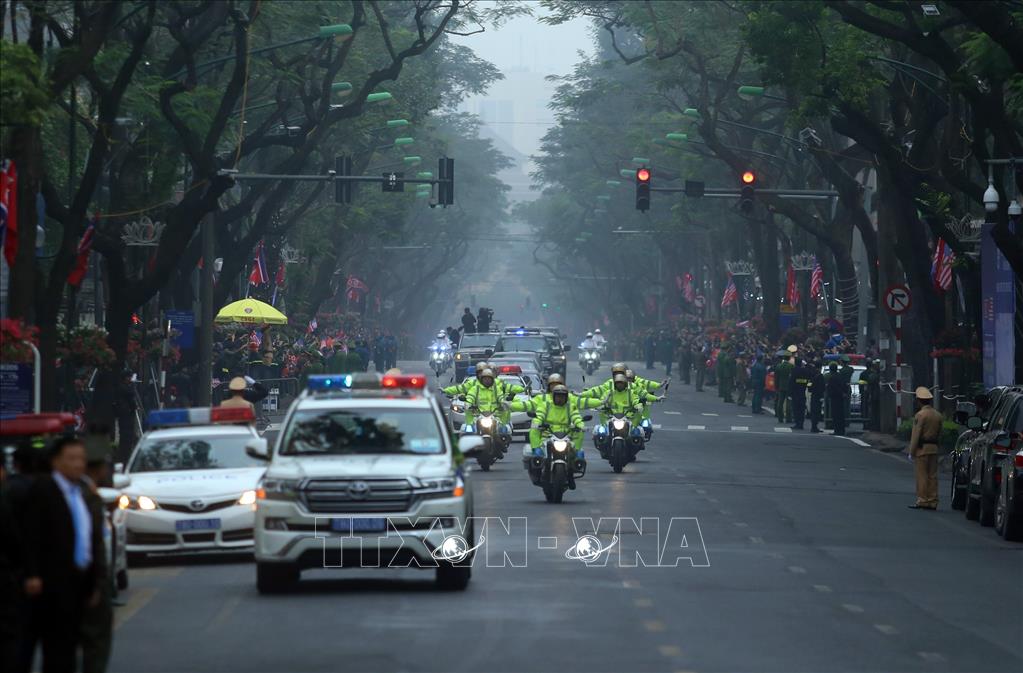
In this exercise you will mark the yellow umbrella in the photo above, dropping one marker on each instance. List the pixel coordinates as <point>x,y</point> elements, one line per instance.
<point>251,311</point>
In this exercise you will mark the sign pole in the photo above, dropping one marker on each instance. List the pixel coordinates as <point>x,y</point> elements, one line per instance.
<point>37,371</point>
<point>898,369</point>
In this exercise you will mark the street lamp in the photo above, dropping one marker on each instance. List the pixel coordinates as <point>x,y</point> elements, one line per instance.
<point>751,92</point>
<point>379,97</point>
<point>627,173</point>
<point>641,161</point>
<point>404,140</point>
<point>990,194</point>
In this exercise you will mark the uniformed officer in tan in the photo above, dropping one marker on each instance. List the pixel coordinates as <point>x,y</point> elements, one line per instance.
<point>237,399</point>
<point>923,449</point>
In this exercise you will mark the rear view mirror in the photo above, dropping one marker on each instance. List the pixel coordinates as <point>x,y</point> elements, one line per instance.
<point>470,445</point>
<point>489,352</point>
<point>257,448</point>
<point>588,417</point>
<point>121,481</point>
<point>568,348</point>
<point>974,423</point>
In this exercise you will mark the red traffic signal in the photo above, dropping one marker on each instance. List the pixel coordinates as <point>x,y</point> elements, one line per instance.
<point>643,175</point>
<point>749,177</point>
<point>643,189</point>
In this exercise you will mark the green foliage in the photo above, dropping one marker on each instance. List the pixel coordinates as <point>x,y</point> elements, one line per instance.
<point>24,99</point>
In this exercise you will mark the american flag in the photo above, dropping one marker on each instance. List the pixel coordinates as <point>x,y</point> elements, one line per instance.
<point>78,271</point>
<point>312,326</point>
<point>941,266</point>
<point>817,281</point>
<point>687,288</point>
<point>731,295</point>
<point>259,276</point>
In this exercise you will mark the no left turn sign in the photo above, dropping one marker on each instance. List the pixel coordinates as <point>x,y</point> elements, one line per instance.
<point>897,299</point>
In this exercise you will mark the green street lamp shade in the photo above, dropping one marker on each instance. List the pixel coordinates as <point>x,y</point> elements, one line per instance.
<point>751,91</point>
<point>341,30</point>
<point>412,161</point>
<point>407,140</point>
<point>396,123</point>
<point>424,188</point>
<point>422,193</point>
<point>613,183</point>
<point>598,211</point>
<point>627,173</point>
<point>660,141</point>
<point>341,88</point>
<point>677,137</point>
<point>692,112</point>
<point>378,97</point>
<point>604,197</point>
<point>425,175</point>
<point>640,160</point>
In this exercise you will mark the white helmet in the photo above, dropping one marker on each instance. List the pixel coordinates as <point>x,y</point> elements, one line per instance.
<point>441,334</point>
<point>589,334</point>
<point>596,331</point>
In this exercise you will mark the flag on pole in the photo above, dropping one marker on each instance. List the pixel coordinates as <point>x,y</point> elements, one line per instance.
<point>731,295</point>
<point>687,288</point>
<point>9,210</point>
<point>941,266</point>
<point>817,281</point>
<point>78,271</point>
<point>279,278</point>
<point>259,276</point>
<point>312,326</point>
<point>791,288</point>
<point>356,284</point>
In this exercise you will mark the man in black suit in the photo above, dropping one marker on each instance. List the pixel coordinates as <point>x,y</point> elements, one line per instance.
<point>65,558</point>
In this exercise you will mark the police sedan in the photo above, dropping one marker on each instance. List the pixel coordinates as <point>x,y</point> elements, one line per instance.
<point>193,486</point>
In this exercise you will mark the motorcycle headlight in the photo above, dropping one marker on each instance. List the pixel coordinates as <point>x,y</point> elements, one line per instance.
<point>486,422</point>
<point>560,445</point>
<point>247,498</point>
<point>619,423</point>
<point>457,408</point>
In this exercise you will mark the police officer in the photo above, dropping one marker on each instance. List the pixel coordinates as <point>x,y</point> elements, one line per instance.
<point>757,380</point>
<point>846,371</point>
<point>555,415</point>
<point>726,373</point>
<point>702,353</point>
<point>685,361</point>
<point>816,396</point>
<point>782,381</point>
<point>800,380</point>
<point>923,449</point>
<point>837,391</point>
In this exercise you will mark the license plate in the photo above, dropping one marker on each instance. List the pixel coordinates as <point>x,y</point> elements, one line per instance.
<point>359,524</point>
<point>197,524</point>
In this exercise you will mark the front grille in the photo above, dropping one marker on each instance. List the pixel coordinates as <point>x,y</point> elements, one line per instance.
<point>151,538</point>
<point>209,507</point>
<point>198,537</point>
<point>236,535</point>
<point>337,495</point>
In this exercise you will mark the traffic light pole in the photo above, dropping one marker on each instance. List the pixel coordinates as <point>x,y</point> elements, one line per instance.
<point>711,192</point>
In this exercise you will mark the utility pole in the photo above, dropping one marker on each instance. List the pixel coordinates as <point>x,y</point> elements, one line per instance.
<point>206,313</point>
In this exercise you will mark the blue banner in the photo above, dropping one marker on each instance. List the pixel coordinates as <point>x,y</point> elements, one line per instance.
<point>16,390</point>
<point>998,306</point>
<point>184,323</point>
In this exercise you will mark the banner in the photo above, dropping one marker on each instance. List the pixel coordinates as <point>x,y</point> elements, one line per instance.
<point>997,310</point>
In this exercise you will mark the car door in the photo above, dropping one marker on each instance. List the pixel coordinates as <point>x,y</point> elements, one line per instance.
<point>980,448</point>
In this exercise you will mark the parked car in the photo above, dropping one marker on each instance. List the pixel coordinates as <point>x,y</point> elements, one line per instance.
<point>1009,507</point>
<point>988,454</point>
<point>960,460</point>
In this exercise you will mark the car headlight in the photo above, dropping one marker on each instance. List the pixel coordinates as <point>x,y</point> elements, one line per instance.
<point>270,489</point>
<point>560,445</point>
<point>123,502</point>
<point>458,356</point>
<point>146,503</point>
<point>247,498</point>
<point>619,423</point>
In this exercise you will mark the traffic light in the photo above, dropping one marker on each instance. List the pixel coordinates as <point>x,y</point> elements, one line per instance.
<point>342,188</point>
<point>749,178</point>
<point>544,305</point>
<point>446,186</point>
<point>643,189</point>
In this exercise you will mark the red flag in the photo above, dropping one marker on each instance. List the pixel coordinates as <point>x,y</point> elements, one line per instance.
<point>791,288</point>
<point>259,276</point>
<point>77,274</point>
<point>279,278</point>
<point>356,284</point>
<point>687,288</point>
<point>9,210</point>
<point>817,281</point>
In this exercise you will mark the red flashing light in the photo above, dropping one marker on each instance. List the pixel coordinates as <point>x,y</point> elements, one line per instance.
<point>232,415</point>
<point>412,381</point>
<point>749,177</point>
<point>643,175</point>
<point>510,369</point>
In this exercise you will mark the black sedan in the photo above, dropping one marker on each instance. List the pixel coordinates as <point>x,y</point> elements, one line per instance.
<point>989,453</point>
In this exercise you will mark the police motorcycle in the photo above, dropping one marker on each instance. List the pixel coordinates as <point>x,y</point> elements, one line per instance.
<point>556,471</point>
<point>496,437</point>
<point>440,354</point>
<point>618,441</point>
<point>589,360</point>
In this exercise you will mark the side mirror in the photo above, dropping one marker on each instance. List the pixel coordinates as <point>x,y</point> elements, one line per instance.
<point>460,398</point>
<point>118,467</point>
<point>121,480</point>
<point>257,448</point>
<point>470,445</point>
<point>567,348</point>
<point>974,423</point>
<point>489,352</point>
<point>588,417</point>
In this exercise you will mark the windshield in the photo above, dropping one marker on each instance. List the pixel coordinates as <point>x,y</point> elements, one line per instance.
<point>477,341</point>
<point>524,344</point>
<point>363,431</point>
<point>192,453</point>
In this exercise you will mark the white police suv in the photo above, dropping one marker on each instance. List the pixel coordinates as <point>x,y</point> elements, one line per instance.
<point>363,474</point>
<point>192,483</point>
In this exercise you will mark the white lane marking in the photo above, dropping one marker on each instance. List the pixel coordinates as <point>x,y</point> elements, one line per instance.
<point>653,625</point>
<point>823,588</point>
<point>670,650</point>
<point>642,602</point>
<point>855,440</point>
<point>726,512</point>
<point>630,584</point>
<point>138,600</point>
<point>656,426</point>
<point>783,429</point>
<point>745,416</point>
<point>740,428</point>
<point>673,413</point>
<point>741,524</point>
<point>700,491</point>
<point>697,427</point>
<point>851,607</point>
<point>886,629</point>
<point>932,657</point>
<point>756,539</point>
<point>798,570</point>
<point>706,414</point>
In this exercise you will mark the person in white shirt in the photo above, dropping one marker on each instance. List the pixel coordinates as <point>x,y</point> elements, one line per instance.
<point>588,343</point>
<point>598,338</point>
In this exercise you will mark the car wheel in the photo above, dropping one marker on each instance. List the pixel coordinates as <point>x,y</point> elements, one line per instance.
<point>1008,524</point>
<point>987,511</point>
<point>972,507</point>
<point>452,577</point>
<point>958,495</point>
<point>272,578</point>
<point>122,580</point>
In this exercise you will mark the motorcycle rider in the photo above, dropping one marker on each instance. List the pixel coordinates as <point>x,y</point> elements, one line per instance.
<point>643,387</point>
<point>623,399</point>
<point>555,415</point>
<point>602,390</point>
<point>486,397</point>
<point>441,342</point>
<point>589,343</point>
<point>599,339</point>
